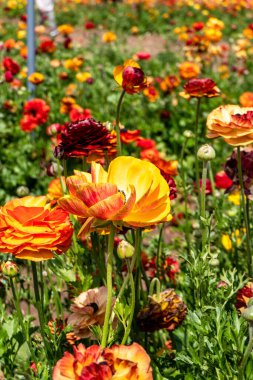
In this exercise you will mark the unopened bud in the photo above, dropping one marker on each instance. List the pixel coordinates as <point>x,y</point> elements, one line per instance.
<point>9,269</point>
<point>125,250</point>
<point>206,153</point>
<point>22,191</point>
<point>188,134</point>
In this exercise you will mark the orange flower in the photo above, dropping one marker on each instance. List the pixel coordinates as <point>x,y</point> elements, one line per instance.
<point>36,78</point>
<point>54,189</point>
<point>188,70</point>
<point>151,93</point>
<point>118,362</point>
<point>127,136</point>
<point>233,123</point>
<point>169,83</point>
<point>246,99</point>
<point>133,192</point>
<point>109,37</point>
<point>130,77</point>
<point>30,230</point>
<point>65,29</point>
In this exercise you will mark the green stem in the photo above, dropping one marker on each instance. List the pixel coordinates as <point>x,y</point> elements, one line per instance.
<point>159,251</point>
<point>245,213</point>
<point>203,205</point>
<point>117,122</point>
<point>109,287</point>
<point>155,282</point>
<point>196,148</point>
<point>25,333</point>
<point>182,171</point>
<point>38,305</point>
<point>130,318</point>
<point>246,355</point>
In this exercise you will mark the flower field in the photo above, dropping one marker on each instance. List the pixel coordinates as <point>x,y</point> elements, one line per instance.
<point>126,189</point>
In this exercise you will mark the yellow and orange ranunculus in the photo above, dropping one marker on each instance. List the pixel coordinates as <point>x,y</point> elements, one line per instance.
<point>130,77</point>
<point>31,230</point>
<point>117,362</point>
<point>133,193</point>
<point>36,78</point>
<point>233,123</point>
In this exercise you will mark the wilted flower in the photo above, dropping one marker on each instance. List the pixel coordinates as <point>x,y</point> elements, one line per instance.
<point>133,192</point>
<point>117,362</point>
<point>233,123</point>
<point>243,296</point>
<point>231,169</point>
<point>88,309</point>
<point>130,77</point>
<point>164,311</point>
<point>82,138</point>
<point>30,230</point>
<point>36,78</point>
<point>199,88</point>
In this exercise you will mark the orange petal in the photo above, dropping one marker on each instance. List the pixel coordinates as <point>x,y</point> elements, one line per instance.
<point>74,206</point>
<point>85,228</point>
<point>108,208</point>
<point>92,193</point>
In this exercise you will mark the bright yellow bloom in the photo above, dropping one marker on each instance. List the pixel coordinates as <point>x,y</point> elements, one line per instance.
<point>36,78</point>
<point>132,193</point>
<point>235,198</point>
<point>73,64</point>
<point>65,29</point>
<point>109,37</point>
<point>82,77</point>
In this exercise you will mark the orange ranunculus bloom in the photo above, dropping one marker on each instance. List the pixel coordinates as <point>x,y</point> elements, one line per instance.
<point>130,77</point>
<point>109,37</point>
<point>133,192</point>
<point>127,136</point>
<point>65,29</point>
<point>199,88</point>
<point>117,362</point>
<point>36,78</point>
<point>233,123</point>
<point>246,99</point>
<point>151,93</point>
<point>188,70</point>
<point>169,83</point>
<point>54,191</point>
<point>30,230</point>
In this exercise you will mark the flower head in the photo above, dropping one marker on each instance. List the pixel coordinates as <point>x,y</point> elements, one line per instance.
<point>188,70</point>
<point>31,230</point>
<point>166,311</point>
<point>243,296</point>
<point>82,138</point>
<point>199,88</point>
<point>130,77</point>
<point>233,123</point>
<point>133,192</point>
<point>10,65</point>
<point>88,309</point>
<point>35,113</point>
<point>109,37</point>
<point>117,362</point>
<point>36,78</point>
<point>246,99</point>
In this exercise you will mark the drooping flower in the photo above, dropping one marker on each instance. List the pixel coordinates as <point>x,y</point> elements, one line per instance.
<point>130,77</point>
<point>31,230</point>
<point>83,138</point>
<point>133,192</point>
<point>166,311</point>
<point>233,123</point>
<point>88,309</point>
<point>115,363</point>
<point>199,88</point>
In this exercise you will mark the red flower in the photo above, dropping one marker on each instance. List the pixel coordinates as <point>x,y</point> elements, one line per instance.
<point>208,186</point>
<point>172,185</point>
<point>128,136</point>
<point>243,296</point>
<point>8,76</point>
<point>145,143</point>
<point>222,181</point>
<point>89,25</point>
<point>77,114</point>
<point>198,26</point>
<point>35,113</point>
<point>82,138</point>
<point>200,87</point>
<point>47,46</point>
<point>143,55</point>
<point>11,65</point>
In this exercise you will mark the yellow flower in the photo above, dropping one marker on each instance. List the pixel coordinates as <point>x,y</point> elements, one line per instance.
<point>21,34</point>
<point>235,198</point>
<point>234,240</point>
<point>134,30</point>
<point>82,77</point>
<point>226,242</point>
<point>109,37</point>
<point>132,193</point>
<point>73,64</point>
<point>36,78</point>
<point>213,35</point>
<point>65,29</point>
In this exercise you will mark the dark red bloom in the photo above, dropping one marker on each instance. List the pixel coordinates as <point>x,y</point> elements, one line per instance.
<point>11,65</point>
<point>243,296</point>
<point>82,137</point>
<point>132,76</point>
<point>8,76</point>
<point>222,181</point>
<point>47,46</point>
<point>198,26</point>
<point>89,25</point>
<point>172,185</point>
<point>128,136</point>
<point>200,87</point>
<point>67,42</point>
<point>171,267</point>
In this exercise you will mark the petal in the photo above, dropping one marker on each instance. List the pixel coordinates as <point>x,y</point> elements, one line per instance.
<point>92,193</point>
<point>108,208</point>
<point>74,206</point>
<point>98,174</point>
<point>117,73</point>
<point>85,228</point>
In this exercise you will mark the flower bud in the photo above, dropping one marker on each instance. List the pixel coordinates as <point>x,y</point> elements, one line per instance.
<point>9,269</point>
<point>206,153</point>
<point>52,169</point>
<point>188,134</point>
<point>248,314</point>
<point>125,250</point>
<point>22,191</point>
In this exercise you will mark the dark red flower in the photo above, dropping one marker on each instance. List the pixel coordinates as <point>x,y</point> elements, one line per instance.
<point>47,46</point>
<point>128,136</point>
<point>198,26</point>
<point>67,42</point>
<point>89,25</point>
<point>171,267</point>
<point>11,65</point>
<point>172,185</point>
<point>208,186</point>
<point>81,138</point>
<point>243,296</point>
<point>8,76</point>
<point>222,181</point>
<point>200,87</point>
